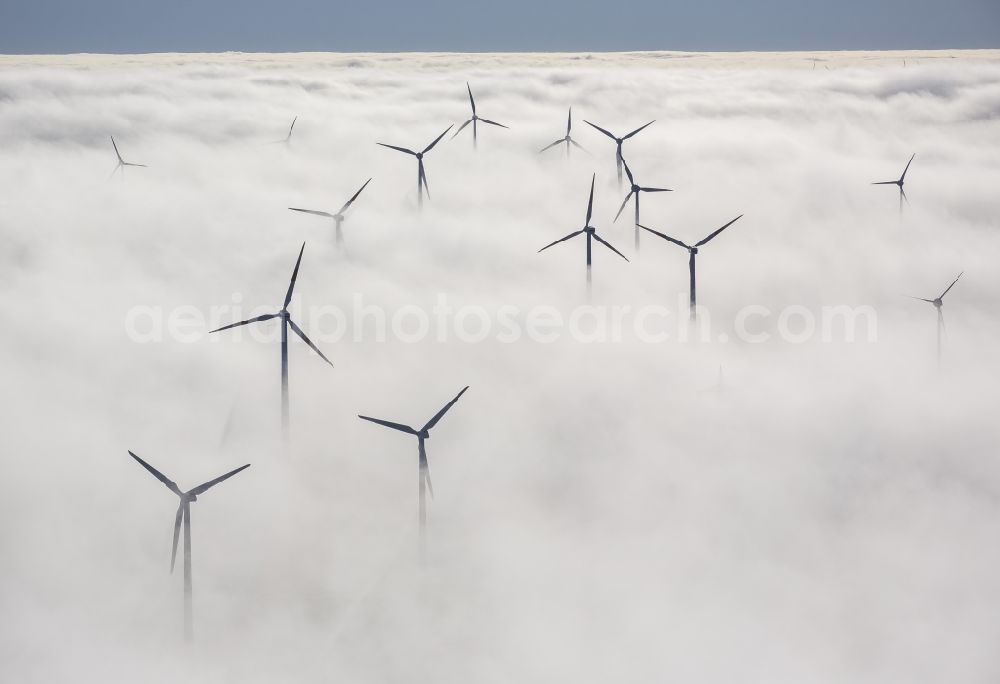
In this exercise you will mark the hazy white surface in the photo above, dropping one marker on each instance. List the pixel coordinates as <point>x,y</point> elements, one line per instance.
<point>601,514</point>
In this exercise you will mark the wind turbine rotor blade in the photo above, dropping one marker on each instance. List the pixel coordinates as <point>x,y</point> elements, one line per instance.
<point>557,142</point>
<point>401,149</point>
<point>576,144</point>
<point>117,153</point>
<point>886,183</point>
<point>902,194</point>
<point>626,137</point>
<point>389,424</point>
<point>665,237</point>
<point>569,121</point>
<point>929,301</point>
<point>131,164</point>
<point>950,286</point>
<point>608,245</point>
<point>472,100</point>
<point>291,128</point>
<point>354,197</point>
<point>444,409</point>
<point>461,128</point>
<point>437,139</point>
<point>628,172</point>
<point>564,239</point>
<point>171,485</point>
<point>258,319</point>
<point>605,132</point>
<point>312,211</point>
<point>590,202</point>
<point>493,123</point>
<point>712,235</point>
<point>202,488</point>
<point>295,275</point>
<point>622,208</point>
<point>656,189</point>
<point>298,331</point>
<point>427,477</point>
<point>901,178</point>
<point>177,534</point>
<point>422,177</point>
<point>944,328</point>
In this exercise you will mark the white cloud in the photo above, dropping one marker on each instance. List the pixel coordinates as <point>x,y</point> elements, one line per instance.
<point>601,513</point>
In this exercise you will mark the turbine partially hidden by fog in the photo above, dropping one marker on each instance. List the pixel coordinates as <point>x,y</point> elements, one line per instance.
<point>421,174</point>
<point>423,469</point>
<point>618,143</point>
<point>474,120</point>
<point>938,303</point>
<point>286,323</point>
<point>184,517</point>
<point>899,182</point>
<point>567,139</point>
<point>120,167</point>
<point>692,256</point>
<point>591,233</point>
<point>338,218</point>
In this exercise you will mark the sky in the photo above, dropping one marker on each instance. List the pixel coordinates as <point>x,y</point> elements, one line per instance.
<point>605,509</point>
<point>142,26</point>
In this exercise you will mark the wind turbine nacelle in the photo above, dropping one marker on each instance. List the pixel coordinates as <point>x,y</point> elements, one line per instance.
<point>424,434</point>
<point>693,250</point>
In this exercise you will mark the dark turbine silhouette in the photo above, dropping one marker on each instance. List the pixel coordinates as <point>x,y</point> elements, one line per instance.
<point>474,121</point>
<point>338,218</point>
<point>421,176</point>
<point>618,144</point>
<point>287,140</point>
<point>899,183</point>
<point>634,191</point>
<point>286,322</point>
<point>568,139</point>
<point>120,166</point>
<point>590,232</point>
<point>184,517</point>
<point>693,252</point>
<point>424,473</point>
<point>938,304</point>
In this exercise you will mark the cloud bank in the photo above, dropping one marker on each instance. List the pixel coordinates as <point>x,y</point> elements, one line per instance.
<point>604,511</point>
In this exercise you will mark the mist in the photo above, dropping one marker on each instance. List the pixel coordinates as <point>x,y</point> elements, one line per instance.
<point>797,508</point>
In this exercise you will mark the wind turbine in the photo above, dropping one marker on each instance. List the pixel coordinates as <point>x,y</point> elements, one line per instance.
<point>288,138</point>
<point>421,176</point>
<point>424,473</point>
<point>338,218</point>
<point>590,232</point>
<point>286,323</point>
<point>475,120</point>
<point>184,516</point>
<point>618,144</point>
<point>635,190</point>
<point>902,178</point>
<point>568,139</point>
<point>121,162</point>
<point>693,251</point>
<point>938,303</point>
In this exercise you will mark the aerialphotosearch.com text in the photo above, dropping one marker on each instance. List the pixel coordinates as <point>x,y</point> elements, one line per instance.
<point>444,321</point>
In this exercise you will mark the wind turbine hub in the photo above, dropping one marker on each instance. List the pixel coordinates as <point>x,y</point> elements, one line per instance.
<point>635,188</point>
<point>619,141</point>
<point>693,250</point>
<point>420,155</point>
<point>589,229</point>
<point>424,434</point>
<point>938,303</point>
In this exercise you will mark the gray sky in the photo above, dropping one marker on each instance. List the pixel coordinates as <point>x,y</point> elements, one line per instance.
<point>124,26</point>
